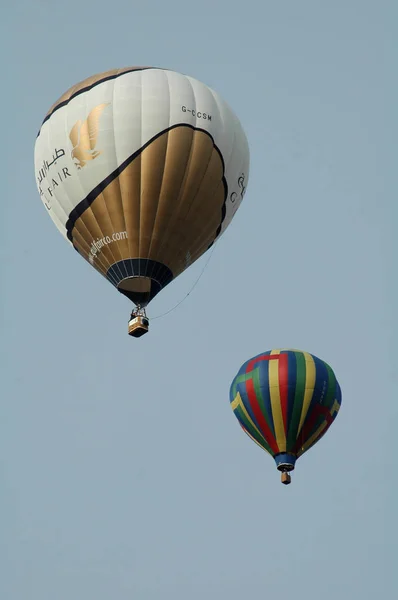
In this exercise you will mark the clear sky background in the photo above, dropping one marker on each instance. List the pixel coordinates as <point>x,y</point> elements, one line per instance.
<point>124,473</point>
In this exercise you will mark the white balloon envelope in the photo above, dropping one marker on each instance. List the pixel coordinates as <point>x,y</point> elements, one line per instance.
<point>141,169</point>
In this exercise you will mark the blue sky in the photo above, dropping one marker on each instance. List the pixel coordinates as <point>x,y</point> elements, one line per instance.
<point>124,473</point>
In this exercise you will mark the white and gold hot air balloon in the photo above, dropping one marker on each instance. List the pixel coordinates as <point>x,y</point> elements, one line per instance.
<point>141,169</point>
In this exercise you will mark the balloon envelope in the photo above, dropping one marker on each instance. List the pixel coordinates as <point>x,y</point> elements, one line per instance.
<point>285,400</point>
<point>141,169</point>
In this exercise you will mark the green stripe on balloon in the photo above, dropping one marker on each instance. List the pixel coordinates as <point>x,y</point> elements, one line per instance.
<point>253,432</point>
<point>298,400</point>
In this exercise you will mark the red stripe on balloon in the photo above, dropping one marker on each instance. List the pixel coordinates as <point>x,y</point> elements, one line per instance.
<point>252,362</point>
<point>262,423</point>
<point>309,425</point>
<point>283,386</point>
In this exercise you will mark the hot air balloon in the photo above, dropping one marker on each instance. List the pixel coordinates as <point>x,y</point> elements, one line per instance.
<point>141,169</point>
<point>285,400</point>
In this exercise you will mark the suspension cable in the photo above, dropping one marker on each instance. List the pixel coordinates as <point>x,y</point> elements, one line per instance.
<point>190,291</point>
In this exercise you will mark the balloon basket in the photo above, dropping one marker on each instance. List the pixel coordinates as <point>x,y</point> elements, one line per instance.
<point>138,324</point>
<point>285,478</point>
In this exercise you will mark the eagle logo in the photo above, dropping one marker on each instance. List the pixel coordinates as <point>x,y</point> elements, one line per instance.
<point>83,137</point>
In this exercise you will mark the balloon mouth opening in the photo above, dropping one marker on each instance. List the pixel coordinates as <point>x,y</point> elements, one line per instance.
<point>284,467</point>
<point>137,289</point>
<point>285,462</point>
<point>136,284</point>
<point>140,279</point>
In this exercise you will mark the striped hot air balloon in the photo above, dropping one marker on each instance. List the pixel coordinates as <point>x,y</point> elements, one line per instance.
<point>285,400</point>
<point>141,169</point>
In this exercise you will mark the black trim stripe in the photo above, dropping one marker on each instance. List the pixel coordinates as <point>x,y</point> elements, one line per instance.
<point>93,85</point>
<point>223,213</point>
<point>89,199</point>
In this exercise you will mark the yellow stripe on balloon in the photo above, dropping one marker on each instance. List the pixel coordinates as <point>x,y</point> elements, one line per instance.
<point>277,416</point>
<point>238,402</point>
<point>335,409</point>
<point>312,439</point>
<point>256,442</point>
<point>309,387</point>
